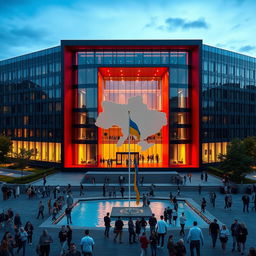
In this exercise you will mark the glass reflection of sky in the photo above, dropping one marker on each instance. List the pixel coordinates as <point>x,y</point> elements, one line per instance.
<point>91,213</point>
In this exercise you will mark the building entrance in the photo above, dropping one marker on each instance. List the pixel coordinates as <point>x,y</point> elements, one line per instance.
<point>123,157</point>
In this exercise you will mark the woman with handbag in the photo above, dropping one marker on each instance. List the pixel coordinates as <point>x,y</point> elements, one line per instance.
<point>224,234</point>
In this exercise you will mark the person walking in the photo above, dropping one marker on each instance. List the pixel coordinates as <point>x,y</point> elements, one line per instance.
<point>241,237</point>
<point>202,177</point>
<point>206,177</point>
<point>68,215</point>
<point>214,230</point>
<point>234,233</point>
<point>118,229</point>
<point>153,242</point>
<point>195,236</point>
<point>171,246</point>
<point>40,210</point>
<point>17,221</point>
<point>107,223</point>
<point>169,215</point>
<point>44,244</point>
<point>246,202</point>
<point>132,235</point>
<point>183,220</point>
<point>152,222</point>
<point>87,244</point>
<point>144,244</point>
<point>161,230</point>
<point>63,239</point>
<point>224,234</point>
<point>23,239</point>
<point>174,216</point>
<point>203,205</point>
<point>29,229</point>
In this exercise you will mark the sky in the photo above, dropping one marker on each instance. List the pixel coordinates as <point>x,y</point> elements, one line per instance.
<point>31,25</point>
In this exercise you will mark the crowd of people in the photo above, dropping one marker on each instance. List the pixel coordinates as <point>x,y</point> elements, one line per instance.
<point>150,234</point>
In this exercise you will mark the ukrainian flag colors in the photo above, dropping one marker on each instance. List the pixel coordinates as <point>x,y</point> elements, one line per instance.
<point>134,130</point>
<point>136,183</point>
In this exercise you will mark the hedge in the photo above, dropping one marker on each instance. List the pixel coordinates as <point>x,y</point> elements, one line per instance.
<point>29,178</point>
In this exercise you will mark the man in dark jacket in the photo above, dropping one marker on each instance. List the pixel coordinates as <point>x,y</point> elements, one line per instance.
<point>107,222</point>
<point>131,231</point>
<point>119,229</point>
<point>214,230</point>
<point>152,222</point>
<point>246,201</point>
<point>234,232</point>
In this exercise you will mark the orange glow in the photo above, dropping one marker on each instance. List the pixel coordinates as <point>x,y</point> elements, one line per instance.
<point>152,85</point>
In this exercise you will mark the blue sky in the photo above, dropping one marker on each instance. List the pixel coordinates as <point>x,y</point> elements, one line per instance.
<point>30,25</point>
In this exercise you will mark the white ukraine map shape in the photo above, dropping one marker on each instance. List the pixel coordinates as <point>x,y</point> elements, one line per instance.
<point>148,121</point>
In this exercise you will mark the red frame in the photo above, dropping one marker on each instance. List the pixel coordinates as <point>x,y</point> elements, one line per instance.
<point>68,101</point>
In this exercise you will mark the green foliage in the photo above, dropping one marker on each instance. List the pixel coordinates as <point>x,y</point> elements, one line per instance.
<point>38,174</point>
<point>250,147</point>
<point>5,148</point>
<point>23,157</point>
<point>237,161</point>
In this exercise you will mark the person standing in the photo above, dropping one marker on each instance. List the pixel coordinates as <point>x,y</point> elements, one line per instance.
<point>171,246</point>
<point>81,190</point>
<point>23,239</point>
<point>104,190</point>
<point>195,236</point>
<point>45,241</point>
<point>174,216</point>
<point>226,202</point>
<point>122,191</point>
<point>234,233</point>
<point>40,210</point>
<point>87,244</point>
<point>73,251</point>
<point>44,180</point>
<point>68,215</point>
<point>183,220</point>
<point>153,242</point>
<point>224,234</point>
<point>206,177</point>
<point>69,235</point>
<point>242,236</point>
<point>49,204</point>
<point>119,229</point>
<point>29,229</point>
<point>131,231</point>
<point>17,221</point>
<point>180,248</point>
<point>161,230</point>
<point>202,177</point>
<point>246,201</point>
<point>107,222</point>
<point>143,224</point>
<point>214,230</point>
<point>199,189</point>
<point>152,222</point>
<point>137,228</point>
<point>213,199</point>
<point>143,244</point>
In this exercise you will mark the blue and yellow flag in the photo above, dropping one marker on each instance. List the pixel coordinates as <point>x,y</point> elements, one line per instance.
<point>136,182</point>
<point>134,130</point>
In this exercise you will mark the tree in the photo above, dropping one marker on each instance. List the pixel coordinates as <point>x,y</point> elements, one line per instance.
<point>23,157</point>
<point>250,147</point>
<point>5,148</point>
<point>237,161</point>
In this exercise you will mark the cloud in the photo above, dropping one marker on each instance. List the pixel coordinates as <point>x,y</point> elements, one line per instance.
<point>247,48</point>
<point>175,23</point>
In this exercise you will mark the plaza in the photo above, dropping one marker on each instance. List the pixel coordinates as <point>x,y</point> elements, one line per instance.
<point>105,246</point>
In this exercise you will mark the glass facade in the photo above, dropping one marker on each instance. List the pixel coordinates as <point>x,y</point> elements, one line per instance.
<point>31,103</point>
<point>228,100</point>
<point>117,76</point>
<point>32,100</point>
